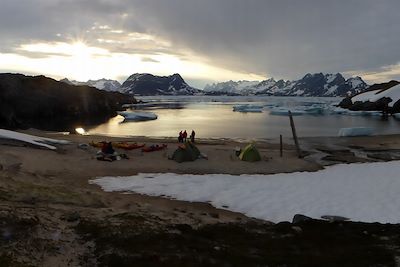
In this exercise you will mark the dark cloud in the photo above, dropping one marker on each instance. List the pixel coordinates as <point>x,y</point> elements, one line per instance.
<point>281,38</point>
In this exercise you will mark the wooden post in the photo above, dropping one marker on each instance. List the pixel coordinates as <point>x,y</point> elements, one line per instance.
<point>281,146</point>
<point>296,141</point>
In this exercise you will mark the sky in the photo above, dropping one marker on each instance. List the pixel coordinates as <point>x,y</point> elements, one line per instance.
<point>204,40</point>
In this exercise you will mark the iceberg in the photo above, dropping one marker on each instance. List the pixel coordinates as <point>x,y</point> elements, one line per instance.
<point>137,116</point>
<point>312,110</point>
<point>248,108</point>
<point>396,115</point>
<point>356,131</point>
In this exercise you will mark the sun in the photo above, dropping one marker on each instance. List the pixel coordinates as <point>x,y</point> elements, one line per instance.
<point>80,49</point>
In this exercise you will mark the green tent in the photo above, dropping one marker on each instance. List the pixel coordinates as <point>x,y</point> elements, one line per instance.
<point>186,152</point>
<point>250,153</point>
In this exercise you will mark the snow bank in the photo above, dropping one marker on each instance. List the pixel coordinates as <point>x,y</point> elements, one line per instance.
<point>137,116</point>
<point>362,192</point>
<point>32,139</point>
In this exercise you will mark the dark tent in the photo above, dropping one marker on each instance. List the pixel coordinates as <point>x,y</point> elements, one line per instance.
<point>186,152</point>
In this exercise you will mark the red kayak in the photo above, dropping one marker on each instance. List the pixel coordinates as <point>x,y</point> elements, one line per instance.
<point>128,146</point>
<point>153,148</point>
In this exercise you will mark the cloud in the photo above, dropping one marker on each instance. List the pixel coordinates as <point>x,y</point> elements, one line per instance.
<point>280,38</point>
<point>149,59</point>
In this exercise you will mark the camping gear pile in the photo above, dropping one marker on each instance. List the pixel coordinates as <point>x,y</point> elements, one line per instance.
<point>107,153</point>
<point>186,152</point>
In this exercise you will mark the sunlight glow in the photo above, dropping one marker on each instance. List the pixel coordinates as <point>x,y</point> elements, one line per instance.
<point>80,131</point>
<point>80,61</point>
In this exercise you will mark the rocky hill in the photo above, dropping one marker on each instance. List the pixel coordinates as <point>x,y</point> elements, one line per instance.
<point>148,84</point>
<point>379,97</point>
<point>44,103</point>
<point>102,84</point>
<point>317,84</point>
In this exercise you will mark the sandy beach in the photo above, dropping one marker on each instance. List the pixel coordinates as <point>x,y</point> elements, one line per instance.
<point>47,192</point>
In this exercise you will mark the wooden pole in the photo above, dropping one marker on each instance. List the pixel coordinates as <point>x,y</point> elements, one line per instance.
<point>296,141</point>
<point>281,146</point>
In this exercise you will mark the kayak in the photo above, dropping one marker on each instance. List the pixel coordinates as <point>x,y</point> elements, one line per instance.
<point>97,144</point>
<point>153,148</point>
<point>128,146</point>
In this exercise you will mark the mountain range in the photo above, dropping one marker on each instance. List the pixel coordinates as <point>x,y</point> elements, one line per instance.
<point>316,85</point>
<point>102,84</point>
<point>148,84</point>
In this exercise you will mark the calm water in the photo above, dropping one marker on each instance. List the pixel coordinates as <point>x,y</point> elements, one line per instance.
<point>213,117</point>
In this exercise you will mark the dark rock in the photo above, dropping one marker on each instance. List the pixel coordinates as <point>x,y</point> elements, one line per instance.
<point>379,105</point>
<point>345,158</point>
<point>383,86</point>
<point>345,103</point>
<point>44,103</point>
<point>334,218</point>
<point>384,156</point>
<point>297,229</point>
<point>300,218</point>
<point>72,217</point>
<point>214,215</point>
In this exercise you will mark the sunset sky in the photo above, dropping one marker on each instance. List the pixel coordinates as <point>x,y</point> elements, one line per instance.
<point>203,40</point>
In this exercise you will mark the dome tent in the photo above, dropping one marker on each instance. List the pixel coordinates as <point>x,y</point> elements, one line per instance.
<point>250,153</point>
<point>186,152</point>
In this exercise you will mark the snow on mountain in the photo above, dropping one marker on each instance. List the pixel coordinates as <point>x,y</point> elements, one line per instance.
<point>317,84</point>
<point>148,84</point>
<point>102,84</point>
<point>232,87</point>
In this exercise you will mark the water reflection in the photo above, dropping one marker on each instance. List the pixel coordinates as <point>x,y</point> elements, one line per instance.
<point>216,119</point>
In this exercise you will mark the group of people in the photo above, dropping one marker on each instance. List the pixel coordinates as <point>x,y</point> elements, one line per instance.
<point>182,137</point>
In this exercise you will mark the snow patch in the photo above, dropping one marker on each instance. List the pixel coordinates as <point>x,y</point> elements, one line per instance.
<point>356,191</point>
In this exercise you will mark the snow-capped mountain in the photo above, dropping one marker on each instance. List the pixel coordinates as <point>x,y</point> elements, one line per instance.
<point>231,87</point>
<point>148,84</point>
<point>102,84</point>
<point>317,84</point>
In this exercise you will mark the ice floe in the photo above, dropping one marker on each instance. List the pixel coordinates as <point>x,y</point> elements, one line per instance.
<point>137,116</point>
<point>248,108</point>
<point>356,131</point>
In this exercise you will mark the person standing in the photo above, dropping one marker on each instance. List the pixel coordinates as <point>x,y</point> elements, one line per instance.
<point>184,136</point>
<point>192,136</point>
<point>180,137</point>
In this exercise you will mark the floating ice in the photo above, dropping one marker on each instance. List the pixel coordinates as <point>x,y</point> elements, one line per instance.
<point>137,116</point>
<point>305,110</point>
<point>248,108</point>
<point>356,131</point>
